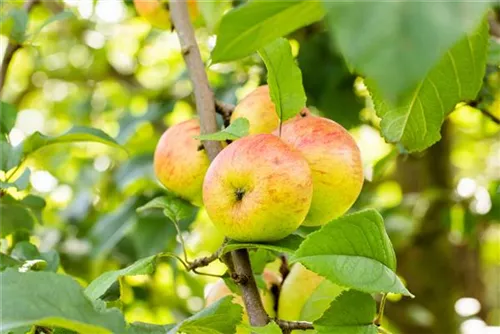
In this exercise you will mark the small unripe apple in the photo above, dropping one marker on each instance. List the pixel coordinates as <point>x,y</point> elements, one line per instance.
<point>258,189</point>
<point>305,295</point>
<point>180,162</point>
<point>335,162</point>
<point>220,289</point>
<point>260,111</point>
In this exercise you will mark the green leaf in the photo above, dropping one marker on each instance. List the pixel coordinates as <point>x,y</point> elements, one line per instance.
<point>284,79</point>
<point>10,156</point>
<point>77,134</point>
<point>7,261</point>
<point>26,252</point>
<point>111,228</point>
<point>353,251</point>
<point>400,40</point>
<point>351,313</point>
<point>235,130</point>
<point>8,114</point>
<point>219,318</point>
<point>212,12</point>
<point>144,328</point>
<point>102,283</point>
<point>49,299</point>
<point>57,17</point>
<point>20,183</point>
<point>174,208</point>
<point>20,18</point>
<point>36,204</point>
<point>329,87</point>
<point>15,216</point>
<point>286,245</point>
<point>416,120</point>
<point>259,258</point>
<point>494,52</point>
<point>253,25</point>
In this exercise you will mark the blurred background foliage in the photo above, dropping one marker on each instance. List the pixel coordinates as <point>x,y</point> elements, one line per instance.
<point>105,67</point>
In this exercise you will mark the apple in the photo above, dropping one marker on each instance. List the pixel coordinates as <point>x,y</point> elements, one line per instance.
<point>180,163</point>
<point>260,111</point>
<point>157,14</point>
<point>220,289</point>
<point>335,162</point>
<point>305,295</point>
<point>258,189</point>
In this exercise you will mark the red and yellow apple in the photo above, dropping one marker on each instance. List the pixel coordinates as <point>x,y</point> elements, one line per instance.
<point>260,111</point>
<point>305,295</point>
<point>180,163</point>
<point>335,162</point>
<point>258,189</point>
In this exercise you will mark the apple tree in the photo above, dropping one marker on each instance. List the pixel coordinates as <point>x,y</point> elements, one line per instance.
<point>294,239</point>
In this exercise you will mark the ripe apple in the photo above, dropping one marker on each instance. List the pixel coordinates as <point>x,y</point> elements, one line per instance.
<point>260,111</point>
<point>258,189</point>
<point>180,163</point>
<point>157,14</point>
<point>335,162</point>
<point>305,295</point>
<point>220,289</point>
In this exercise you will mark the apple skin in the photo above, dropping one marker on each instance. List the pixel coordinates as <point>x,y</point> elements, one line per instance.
<point>296,291</point>
<point>179,164</point>
<point>220,289</point>
<point>258,189</point>
<point>260,111</point>
<point>335,162</point>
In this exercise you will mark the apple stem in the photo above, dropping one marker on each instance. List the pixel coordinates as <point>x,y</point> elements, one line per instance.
<point>205,105</point>
<point>378,320</point>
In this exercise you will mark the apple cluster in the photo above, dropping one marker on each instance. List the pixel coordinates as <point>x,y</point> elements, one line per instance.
<point>263,186</point>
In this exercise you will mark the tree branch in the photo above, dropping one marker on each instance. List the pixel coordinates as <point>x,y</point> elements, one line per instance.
<point>288,326</point>
<point>12,47</point>
<point>205,106</point>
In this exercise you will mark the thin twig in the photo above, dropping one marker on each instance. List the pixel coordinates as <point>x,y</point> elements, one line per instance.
<point>476,104</point>
<point>293,325</point>
<point>12,47</point>
<point>205,105</point>
<point>378,320</point>
<point>181,240</point>
<point>488,114</point>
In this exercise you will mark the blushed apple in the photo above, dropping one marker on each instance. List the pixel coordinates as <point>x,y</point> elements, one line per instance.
<point>335,162</point>
<point>258,189</point>
<point>180,163</point>
<point>260,111</point>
